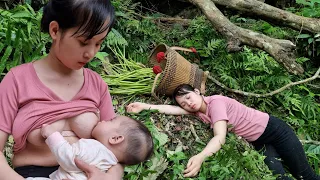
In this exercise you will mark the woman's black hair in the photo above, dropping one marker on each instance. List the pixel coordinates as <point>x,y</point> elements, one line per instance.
<point>181,90</point>
<point>88,15</point>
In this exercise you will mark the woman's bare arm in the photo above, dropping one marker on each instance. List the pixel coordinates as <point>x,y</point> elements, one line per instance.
<point>220,133</point>
<point>137,107</point>
<point>195,162</point>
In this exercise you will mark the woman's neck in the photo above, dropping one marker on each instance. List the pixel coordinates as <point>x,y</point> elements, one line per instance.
<point>203,107</point>
<point>56,65</point>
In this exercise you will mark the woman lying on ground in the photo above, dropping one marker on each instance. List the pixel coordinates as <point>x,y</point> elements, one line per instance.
<point>265,132</point>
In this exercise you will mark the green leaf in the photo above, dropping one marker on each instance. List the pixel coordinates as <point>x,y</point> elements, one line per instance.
<point>101,55</point>
<point>28,1</point>
<point>310,40</point>
<point>29,26</point>
<point>94,63</point>
<point>5,13</point>
<point>313,2</point>
<point>4,58</point>
<point>16,58</point>
<point>159,164</point>
<point>26,52</point>
<point>9,34</point>
<point>161,137</point>
<point>1,47</point>
<point>314,149</point>
<point>24,38</point>
<point>302,59</point>
<point>303,2</point>
<point>302,36</point>
<point>30,9</point>
<point>37,52</point>
<point>178,149</point>
<point>21,14</point>
<point>17,39</point>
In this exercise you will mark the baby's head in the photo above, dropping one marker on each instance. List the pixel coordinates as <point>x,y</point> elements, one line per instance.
<point>188,97</point>
<point>129,139</point>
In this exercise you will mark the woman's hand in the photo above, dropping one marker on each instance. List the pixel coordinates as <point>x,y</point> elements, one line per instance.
<point>94,173</point>
<point>194,165</point>
<point>136,107</point>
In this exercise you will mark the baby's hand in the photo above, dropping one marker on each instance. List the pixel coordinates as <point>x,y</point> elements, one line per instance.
<point>47,130</point>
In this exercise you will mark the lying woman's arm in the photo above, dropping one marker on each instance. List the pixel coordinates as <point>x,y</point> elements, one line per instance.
<point>137,107</point>
<point>6,172</point>
<point>195,162</point>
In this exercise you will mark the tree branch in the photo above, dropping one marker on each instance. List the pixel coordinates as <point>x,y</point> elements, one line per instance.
<point>310,142</point>
<point>259,8</point>
<point>282,50</point>
<point>314,86</point>
<point>183,22</point>
<point>315,76</point>
<point>194,133</point>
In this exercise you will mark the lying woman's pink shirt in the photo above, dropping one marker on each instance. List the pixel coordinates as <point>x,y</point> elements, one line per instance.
<point>26,103</point>
<point>245,121</point>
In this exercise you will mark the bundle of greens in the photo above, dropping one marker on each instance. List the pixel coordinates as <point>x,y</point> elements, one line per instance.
<point>126,76</point>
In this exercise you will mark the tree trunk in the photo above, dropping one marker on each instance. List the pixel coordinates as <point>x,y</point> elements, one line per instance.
<point>261,9</point>
<point>282,50</point>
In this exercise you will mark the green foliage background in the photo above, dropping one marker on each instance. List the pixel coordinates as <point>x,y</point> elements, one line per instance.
<point>250,70</point>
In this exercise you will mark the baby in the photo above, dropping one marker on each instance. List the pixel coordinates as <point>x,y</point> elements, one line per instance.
<point>121,140</point>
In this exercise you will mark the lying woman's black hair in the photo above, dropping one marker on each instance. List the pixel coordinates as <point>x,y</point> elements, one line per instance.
<point>181,90</point>
<point>88,15</point>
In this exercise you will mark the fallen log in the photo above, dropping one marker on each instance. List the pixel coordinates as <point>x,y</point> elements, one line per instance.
<point>281,50</point>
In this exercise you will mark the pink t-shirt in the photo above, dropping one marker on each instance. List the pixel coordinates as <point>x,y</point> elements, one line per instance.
<point>245,121</point>
<point>26,103</point>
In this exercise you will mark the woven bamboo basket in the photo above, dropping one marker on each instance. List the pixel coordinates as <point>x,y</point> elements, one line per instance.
<point>176,70</point>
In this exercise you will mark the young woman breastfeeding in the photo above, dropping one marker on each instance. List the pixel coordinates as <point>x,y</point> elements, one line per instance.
<point>57,90</point>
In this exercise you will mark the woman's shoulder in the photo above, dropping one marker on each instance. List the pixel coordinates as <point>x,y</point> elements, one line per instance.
<point>92,75</point>
<point>21,71</point>
<point>95,80</point>
<point>219,100</point>
<point>91,71</point>
<point>22,68</point>
<point>216,98</point>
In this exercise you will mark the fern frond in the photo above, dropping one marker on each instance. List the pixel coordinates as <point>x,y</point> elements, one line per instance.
<point>16,58</point>
<point>315,149</point>
<point>17,37</point>
<point>1,47</point>
<point>230,81</point>
<point>9,34</point>
<point>115,39</point>
<point>4,58</point>
<point>37,52</point>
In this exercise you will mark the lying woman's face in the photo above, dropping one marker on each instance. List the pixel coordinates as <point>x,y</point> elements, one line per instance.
<point>190,102</point>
